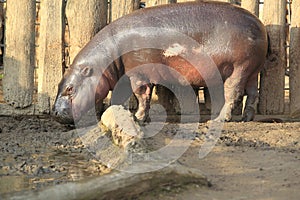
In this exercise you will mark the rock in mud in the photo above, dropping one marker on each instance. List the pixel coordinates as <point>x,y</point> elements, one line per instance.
<point>116,135</point>
<point>124,130</point>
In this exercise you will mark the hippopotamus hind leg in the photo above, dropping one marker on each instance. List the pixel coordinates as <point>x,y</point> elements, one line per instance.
<point>233,93</point>
<point>252,98</point>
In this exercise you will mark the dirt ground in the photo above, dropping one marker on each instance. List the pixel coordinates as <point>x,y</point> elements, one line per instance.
<point>250,160</point>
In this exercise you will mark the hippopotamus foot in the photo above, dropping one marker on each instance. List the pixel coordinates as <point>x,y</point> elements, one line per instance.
<point>252,99</point>
<point>142,117</point>
<point>142,90</point>
<point>249,114</point>
<point>225,114</point>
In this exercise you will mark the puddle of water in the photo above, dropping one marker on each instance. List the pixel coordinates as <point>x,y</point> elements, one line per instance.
<point>14,183</point>
<point>55,168</point>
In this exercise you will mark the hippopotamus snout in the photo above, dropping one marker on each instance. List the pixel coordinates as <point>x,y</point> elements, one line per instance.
<point>62,111</point>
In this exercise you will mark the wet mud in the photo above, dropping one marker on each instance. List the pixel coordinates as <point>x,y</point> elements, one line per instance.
<point>252,160</point>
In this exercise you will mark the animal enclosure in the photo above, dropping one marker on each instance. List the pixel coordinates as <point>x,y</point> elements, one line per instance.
<point>42,39</point>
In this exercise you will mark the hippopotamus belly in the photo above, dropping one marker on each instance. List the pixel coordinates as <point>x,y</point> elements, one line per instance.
<point>198,40</point>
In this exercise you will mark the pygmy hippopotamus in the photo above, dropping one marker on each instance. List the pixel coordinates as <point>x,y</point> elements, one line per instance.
<point>198,40</point>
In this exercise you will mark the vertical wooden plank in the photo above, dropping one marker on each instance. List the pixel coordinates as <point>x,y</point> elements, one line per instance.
<point>272,76</point>
<point>37,33</point>
<point>251,5</point>
<point>85,19</point>
<point>119,8</point>
<point>294,59</point>
<point>50,52</point>
<point>19,56</point>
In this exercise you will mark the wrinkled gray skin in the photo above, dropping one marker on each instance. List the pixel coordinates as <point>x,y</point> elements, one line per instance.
<point>233,38</point>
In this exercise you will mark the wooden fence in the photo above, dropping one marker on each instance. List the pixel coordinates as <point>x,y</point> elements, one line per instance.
<point>42,38</point>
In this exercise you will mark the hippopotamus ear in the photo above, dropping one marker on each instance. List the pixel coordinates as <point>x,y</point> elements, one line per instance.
<point>86,71</point>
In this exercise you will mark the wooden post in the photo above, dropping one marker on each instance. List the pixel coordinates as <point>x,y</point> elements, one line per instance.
<point>18,81</point>
<point>119,8</point>
<point>37,32</point>
<point>294,59</point>
<point>272,76</point>
<point>251,5</point>
<point>85,19</point>
<point>50,52</point>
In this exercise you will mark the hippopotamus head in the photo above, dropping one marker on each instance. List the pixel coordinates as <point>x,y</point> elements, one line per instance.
<point>76,93</point>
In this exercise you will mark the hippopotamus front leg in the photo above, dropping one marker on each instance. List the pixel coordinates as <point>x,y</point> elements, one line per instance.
<point>142,89</point>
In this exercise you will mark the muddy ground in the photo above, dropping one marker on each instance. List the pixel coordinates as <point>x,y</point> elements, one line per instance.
<point>250,160</point>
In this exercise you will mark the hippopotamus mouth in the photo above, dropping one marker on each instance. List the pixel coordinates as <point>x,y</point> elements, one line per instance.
<point>64,112</point>
<point>63,119</point>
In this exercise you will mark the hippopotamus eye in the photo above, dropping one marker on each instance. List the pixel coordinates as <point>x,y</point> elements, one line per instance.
<point>86,71</point>
<point>70,90</point>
